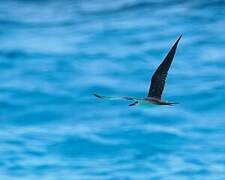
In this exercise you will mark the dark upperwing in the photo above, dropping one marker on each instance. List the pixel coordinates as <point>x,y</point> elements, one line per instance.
<point>159,77</point>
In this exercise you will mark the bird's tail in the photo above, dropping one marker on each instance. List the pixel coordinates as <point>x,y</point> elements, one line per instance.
<point>134,103</point>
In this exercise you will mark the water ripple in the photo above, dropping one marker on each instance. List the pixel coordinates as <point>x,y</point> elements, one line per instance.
<point>55,54</point>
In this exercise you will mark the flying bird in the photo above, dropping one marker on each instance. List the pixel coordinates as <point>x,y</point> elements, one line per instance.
<point>157,83</point>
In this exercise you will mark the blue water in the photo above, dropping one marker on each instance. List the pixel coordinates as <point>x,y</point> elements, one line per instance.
<point>55,54</point>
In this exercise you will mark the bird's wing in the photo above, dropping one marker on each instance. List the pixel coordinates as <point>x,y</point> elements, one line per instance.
<point>159,77</point>
<point>117,98</point>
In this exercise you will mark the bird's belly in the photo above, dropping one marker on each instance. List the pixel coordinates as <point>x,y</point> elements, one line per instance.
<point>146,103</point>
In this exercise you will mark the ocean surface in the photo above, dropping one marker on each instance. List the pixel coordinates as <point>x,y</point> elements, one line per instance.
<point>54,54</point>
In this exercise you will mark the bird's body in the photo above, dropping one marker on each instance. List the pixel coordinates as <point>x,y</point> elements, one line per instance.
<point>157,83</point>
<point>145,100</point>
<point>158,101</point>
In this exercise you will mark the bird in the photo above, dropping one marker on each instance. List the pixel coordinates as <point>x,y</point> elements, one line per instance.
<point>157,84</point>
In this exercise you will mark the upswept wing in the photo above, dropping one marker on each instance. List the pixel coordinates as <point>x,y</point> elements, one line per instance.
<point>159,77</point>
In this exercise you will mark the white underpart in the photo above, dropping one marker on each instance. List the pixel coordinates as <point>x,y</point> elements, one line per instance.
<point>145,103</point>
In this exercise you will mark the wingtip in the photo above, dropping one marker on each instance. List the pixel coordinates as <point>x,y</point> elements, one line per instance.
<point>177,41</point>
<point>179,38</point>
<point>96,95</point>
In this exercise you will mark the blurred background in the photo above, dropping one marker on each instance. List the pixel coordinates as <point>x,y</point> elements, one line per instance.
<point>55,54</point>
